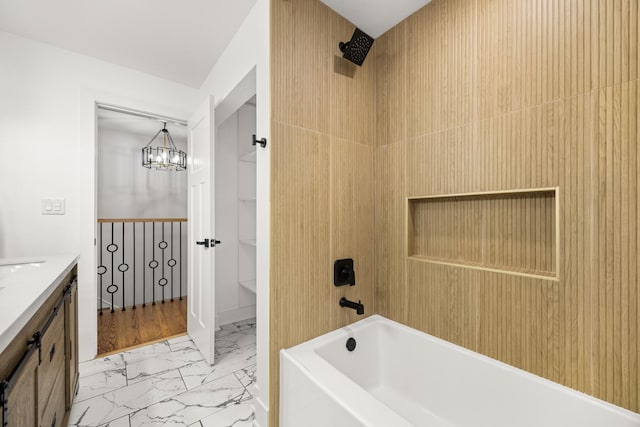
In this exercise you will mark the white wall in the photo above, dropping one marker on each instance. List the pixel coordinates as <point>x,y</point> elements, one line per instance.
<point>226,185</point>
<point>126,189</point>
<point>41,91</point>
<point>46,95</point>
<point>249,49</point>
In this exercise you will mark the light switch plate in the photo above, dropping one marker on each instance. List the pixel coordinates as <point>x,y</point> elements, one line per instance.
<point>52,207</point>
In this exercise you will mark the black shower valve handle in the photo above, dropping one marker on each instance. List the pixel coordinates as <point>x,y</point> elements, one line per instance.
<point>343,272</point>
<point>350,274</point>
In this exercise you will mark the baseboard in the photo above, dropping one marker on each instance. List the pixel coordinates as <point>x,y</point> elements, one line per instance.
<point>261,414</point>
<point>235,315</point>
<point>107,304</point>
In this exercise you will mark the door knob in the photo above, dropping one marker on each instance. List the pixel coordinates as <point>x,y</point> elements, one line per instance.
<point>204,243</point>
<point>215,242</point>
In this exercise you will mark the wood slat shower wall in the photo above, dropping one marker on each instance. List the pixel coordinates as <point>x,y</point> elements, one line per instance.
<point>490,95</point>
<point>322,132</point>
<point>463,96</point>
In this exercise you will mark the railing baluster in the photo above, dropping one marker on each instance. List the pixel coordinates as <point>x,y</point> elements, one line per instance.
<point>101,268</point>
<point>133,227</point>
<point>123,268</point>
<point>163,246</point>
<point>168,258</point>
<point>172,262</point>
<point>113,285</point>
<point>180,269</point>
<point>144,263</point>
<point>153,287</point>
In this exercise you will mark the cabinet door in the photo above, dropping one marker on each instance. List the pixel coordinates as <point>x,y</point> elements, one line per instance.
<point>23,395</point>
<point>53,415</point>
<point>52,363</point>
<point>71,332</point>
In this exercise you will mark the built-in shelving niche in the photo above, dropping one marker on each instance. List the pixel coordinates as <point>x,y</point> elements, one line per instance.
<point>514,232</point>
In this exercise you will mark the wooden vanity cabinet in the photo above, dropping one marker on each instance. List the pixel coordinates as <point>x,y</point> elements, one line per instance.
<point>40,365</point>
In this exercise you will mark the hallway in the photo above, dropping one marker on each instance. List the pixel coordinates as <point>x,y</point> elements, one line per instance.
<point>169,383</point>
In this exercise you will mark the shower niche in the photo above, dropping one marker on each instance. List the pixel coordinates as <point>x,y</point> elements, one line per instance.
<point>513,232</point>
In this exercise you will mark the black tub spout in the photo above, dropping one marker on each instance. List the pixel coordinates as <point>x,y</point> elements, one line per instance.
<point>357,306</point>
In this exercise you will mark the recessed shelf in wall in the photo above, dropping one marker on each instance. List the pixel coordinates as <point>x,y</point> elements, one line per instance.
<point>511,270</point>
<point>514,232</point>
<point>250,285</point>
<point>249,157</point>
<point>249,242</point>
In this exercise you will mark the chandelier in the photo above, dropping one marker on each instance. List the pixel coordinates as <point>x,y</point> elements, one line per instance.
<point>165,157</point>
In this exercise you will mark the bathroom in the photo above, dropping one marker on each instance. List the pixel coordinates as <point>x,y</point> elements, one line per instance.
<point>479,168</point>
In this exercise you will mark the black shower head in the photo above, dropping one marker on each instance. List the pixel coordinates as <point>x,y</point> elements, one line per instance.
<point>358,48</point>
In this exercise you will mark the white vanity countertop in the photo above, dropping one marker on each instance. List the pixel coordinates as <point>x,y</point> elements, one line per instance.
<point>25,284</point>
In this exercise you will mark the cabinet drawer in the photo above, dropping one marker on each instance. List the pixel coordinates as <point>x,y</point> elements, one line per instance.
<point>55,410</point>
<point>52,360</point>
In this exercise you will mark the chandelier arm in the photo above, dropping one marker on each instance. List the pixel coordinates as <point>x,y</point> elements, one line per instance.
<point>154,137</point>
<point>171,142</point>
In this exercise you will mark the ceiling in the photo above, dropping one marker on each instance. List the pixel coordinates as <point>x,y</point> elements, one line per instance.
<point>375,17</point>
<point>142,126</point>
<point>175,40</point>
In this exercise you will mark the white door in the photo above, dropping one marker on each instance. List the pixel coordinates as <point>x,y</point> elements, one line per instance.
<point>201,310</point>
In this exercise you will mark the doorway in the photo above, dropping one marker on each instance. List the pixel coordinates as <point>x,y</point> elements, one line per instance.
<point>141,238</point>
<point>235,216</point>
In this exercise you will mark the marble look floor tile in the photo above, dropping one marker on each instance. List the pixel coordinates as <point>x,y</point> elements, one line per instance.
<point>234,341</point>
<point>162,362</point>
<point>241,415</point>
<point>200,373</point>
<point>182,344</point>
<point>247,375</point>
<point>230,327</point>
<point>146,352</point>
<point>169,383</point>
<point>116,404</point>
<point>95,366</point>
<point>245,324</point>
<point>223,333</point>
<point>101,383</point>
<point>182,338</point>
<point>187,408</point>
<point>120,422</point>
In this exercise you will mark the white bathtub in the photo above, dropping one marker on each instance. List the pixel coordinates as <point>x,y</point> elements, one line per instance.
<point>400,377</point>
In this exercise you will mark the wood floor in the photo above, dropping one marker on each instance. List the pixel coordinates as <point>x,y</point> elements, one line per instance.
<point>133,327</point>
